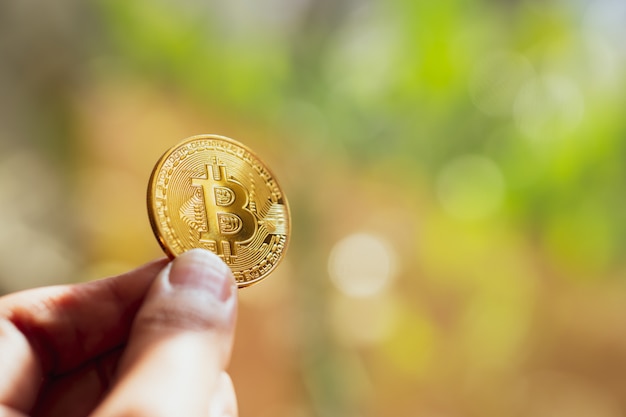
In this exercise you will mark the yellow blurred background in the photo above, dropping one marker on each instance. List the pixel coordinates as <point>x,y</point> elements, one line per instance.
<point>455,171</point>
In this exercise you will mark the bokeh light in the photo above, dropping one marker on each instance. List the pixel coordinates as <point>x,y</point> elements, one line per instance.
<point>548,108</point>
<point>361,265</point>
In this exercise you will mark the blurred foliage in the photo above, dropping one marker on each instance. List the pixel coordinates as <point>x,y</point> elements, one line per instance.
<point>378,81</point>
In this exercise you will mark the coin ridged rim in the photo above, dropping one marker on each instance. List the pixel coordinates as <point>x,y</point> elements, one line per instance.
<point>156,229</point>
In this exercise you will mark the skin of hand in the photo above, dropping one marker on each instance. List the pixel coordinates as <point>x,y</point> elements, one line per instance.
<point>152,342</point>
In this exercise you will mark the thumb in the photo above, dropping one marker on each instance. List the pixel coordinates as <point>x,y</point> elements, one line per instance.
<point>180,341</point>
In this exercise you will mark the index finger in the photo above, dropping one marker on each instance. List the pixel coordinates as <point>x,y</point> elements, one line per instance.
<point>52,330</point>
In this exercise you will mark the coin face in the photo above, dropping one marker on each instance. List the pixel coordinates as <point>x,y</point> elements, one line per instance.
<point>214,193</point>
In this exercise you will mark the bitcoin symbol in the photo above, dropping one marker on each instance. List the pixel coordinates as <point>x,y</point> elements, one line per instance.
<point>231,223</point>
<point>212,192</point>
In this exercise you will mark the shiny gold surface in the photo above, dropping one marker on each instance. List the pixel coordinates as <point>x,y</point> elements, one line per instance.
<point>214,193</point>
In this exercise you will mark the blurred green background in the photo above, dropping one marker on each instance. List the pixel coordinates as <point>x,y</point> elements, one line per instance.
<point>455,171</point>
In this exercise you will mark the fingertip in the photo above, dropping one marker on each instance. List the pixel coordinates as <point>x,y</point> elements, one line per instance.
<point>202,270</point>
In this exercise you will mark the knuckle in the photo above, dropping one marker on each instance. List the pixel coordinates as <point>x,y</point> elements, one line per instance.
<point>173,317</point>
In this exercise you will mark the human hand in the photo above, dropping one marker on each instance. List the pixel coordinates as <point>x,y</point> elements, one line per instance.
<point>152,342</point>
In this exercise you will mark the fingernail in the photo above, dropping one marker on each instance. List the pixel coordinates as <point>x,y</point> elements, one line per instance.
<point>202,270</point>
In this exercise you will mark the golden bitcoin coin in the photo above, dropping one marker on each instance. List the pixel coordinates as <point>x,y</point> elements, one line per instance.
<point>214,193</point>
